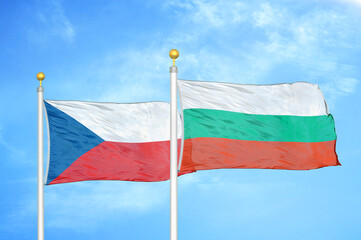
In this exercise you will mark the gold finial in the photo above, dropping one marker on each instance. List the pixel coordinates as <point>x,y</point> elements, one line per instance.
<point>40,76</point>
<point>173,54</point>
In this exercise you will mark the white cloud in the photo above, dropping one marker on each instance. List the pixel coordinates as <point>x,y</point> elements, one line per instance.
<point>314,44</point>
<point>210,13</point>
<point>353,2</point>
<point>348,85</point>
<point>338,87</point>
<point>13,151</point>
<point>267,16</point>
<point>128,76</point>
<point>83,205</point>
<point>52,22</point>
<point>217,186</point>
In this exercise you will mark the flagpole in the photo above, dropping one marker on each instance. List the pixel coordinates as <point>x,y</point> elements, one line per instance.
<point>40,76</point>
<point>173,148</point>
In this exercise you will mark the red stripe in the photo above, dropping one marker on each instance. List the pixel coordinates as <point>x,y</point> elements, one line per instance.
<point>142,162</point>
<point>215,153</point>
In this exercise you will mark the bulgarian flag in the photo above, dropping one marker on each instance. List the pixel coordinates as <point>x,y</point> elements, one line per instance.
<point>282,126</point>
<point>108,141</point>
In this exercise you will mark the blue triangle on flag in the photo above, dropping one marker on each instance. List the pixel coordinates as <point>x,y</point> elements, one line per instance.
<point>69,140</point>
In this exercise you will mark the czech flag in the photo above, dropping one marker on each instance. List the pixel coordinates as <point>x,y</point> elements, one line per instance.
<point>108,141</point>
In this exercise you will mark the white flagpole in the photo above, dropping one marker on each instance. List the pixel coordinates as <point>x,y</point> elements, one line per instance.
<point>173,148</point>
<point>40,76</point>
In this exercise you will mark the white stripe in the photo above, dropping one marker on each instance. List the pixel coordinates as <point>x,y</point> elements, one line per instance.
<point>299,99</point>
<point>137,122</point>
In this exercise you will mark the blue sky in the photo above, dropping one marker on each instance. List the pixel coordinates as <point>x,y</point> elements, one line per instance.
<point>118,51</point>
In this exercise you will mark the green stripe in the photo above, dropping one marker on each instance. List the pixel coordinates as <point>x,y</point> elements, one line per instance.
<point>254,127</point>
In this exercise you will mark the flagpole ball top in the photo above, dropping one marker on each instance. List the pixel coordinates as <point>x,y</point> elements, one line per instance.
<point>40,76</point>
<point>173,53</point>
